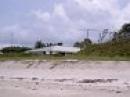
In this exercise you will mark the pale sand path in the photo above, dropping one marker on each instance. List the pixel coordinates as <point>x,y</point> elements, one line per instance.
<point>64,79</point>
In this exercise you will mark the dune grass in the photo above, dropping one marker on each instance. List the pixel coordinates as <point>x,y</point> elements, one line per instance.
<point>67,57</point>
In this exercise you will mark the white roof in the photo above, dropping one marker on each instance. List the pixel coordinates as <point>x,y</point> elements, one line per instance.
<point>58,49</point>
<point>65,49</point>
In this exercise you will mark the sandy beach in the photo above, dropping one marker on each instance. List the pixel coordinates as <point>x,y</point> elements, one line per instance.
<point>64,78</point>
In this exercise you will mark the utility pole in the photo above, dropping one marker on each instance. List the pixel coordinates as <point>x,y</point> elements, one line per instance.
<point>87,30</point>
<point>90,30</point>
<point>12,38</point>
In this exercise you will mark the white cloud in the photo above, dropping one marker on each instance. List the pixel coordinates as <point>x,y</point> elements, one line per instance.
<point>66,17</point>
<point>98,5</point>
<point>60,27</point>
<point>42,16</point>
<point>60,11</point>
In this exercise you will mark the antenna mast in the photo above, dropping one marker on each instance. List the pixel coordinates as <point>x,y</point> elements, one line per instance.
<point>103,35</point>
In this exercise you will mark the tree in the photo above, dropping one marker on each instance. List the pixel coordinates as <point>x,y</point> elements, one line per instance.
<point>60,44</point>
<point>39,44</point>
<point>125,28</point>
<point>87,41</point>
<point>77,44</point>
<point>15,49</point>
<point>123,34</point>
<point>83,44</point>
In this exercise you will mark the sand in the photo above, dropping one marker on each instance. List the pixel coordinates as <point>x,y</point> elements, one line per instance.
<point>64,78</point>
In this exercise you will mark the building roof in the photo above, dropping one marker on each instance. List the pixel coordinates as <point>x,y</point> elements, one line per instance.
<point>57,49</point>
<point>65,49</point>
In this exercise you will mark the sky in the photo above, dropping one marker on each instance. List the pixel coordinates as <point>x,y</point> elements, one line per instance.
<point>26,21</point>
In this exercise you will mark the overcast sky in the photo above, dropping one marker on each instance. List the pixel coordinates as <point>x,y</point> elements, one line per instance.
<point>25,21</point>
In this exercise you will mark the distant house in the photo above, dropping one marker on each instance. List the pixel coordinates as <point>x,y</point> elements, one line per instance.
<point>55,50</point>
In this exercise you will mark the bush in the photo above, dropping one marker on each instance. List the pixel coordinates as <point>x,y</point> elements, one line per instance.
<point>110,49</point>
<point>15,49</point>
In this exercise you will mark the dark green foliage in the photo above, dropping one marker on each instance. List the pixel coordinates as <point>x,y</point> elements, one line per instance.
<point>119,46</point>
<point>110,49</point>
<point>123,34</point>
<point>125,28</point>
<point>54,44</point>
<point>77,44</point>
<point>39,44</point>
<point>60,44</point>
<point>87,41</point>
<point>83,44</point>
<point>15,49</point>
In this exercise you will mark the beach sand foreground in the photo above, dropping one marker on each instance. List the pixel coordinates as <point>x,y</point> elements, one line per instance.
<point>66,78</point>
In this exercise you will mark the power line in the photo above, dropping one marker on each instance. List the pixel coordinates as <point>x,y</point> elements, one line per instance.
<point>88,31</point>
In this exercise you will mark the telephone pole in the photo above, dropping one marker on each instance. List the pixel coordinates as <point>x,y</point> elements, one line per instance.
<point>12,38</point>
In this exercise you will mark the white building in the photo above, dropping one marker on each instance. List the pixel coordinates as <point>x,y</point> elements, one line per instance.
<point>55,50</point>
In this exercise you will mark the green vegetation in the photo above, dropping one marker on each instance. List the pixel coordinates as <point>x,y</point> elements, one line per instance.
<point>83,43</point>
<point>14,49</point>
<point>83,55</point>
<point>39,44</point>
<point>21,56</point>
<point>110,49</point>
<point>119,46</point>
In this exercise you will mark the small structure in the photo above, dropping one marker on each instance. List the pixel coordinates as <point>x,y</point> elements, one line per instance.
<point>55,50</point>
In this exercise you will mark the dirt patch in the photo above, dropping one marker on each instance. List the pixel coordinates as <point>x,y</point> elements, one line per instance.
<point>63,80</point>
<point>18,78</point>
<point>29,65</point>
<point>97,80</point>
<point>53,66</point>
<point>35,78</point>
<point>1,77</point>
